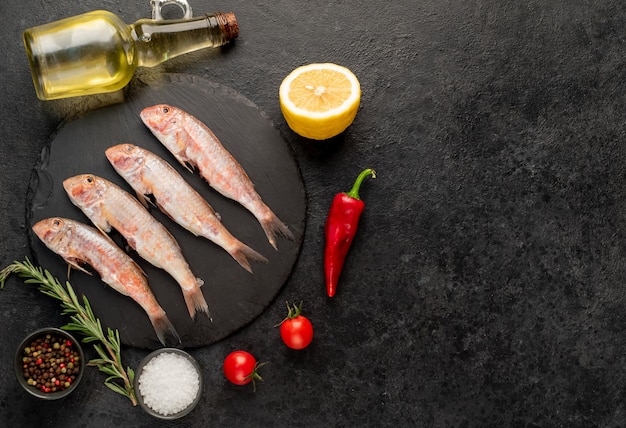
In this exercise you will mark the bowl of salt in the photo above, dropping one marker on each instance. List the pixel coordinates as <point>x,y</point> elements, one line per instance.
<point>168,383</point>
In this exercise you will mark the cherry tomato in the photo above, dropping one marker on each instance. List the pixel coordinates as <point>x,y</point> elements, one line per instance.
<point>296,330</point>
<point>240,368</point>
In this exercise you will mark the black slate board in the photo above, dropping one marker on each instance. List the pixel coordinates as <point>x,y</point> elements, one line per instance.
<point>235,297</point>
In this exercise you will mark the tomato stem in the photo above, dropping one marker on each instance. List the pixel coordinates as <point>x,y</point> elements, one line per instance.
<point>254,376</point>
<point>292,312</point>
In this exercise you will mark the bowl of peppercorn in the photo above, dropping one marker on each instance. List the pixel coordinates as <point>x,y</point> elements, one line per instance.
<point>49,363</point>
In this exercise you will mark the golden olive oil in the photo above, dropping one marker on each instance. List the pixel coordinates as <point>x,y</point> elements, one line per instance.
<point>97,52</point>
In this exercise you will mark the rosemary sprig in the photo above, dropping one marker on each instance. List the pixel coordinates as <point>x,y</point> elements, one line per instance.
<point>83,321</point>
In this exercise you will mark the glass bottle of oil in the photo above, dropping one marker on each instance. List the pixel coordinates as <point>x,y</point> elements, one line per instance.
<point>97,52</point>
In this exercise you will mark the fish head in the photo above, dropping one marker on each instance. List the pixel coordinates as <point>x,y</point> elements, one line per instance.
<point>85,190</point>
<point>167,123</point>
<point>53,232</point>
<point>126,158</point>
<point>89,193</point>
<point>161,118</point>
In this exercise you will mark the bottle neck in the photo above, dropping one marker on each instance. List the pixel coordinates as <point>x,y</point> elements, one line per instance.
<point>158,41</point>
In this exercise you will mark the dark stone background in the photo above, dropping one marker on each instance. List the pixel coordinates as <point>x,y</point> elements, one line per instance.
<point>486,286</point>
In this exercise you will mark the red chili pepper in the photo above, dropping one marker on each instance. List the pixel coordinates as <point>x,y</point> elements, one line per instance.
<point>340,229</point>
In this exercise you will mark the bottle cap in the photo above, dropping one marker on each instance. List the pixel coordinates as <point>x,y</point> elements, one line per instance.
<point>228,25</point>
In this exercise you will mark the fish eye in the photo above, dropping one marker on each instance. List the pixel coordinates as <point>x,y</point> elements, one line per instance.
<point>129,148</point>
<point>165,110</point>
<point>56,222</point>
<point>89,179</point>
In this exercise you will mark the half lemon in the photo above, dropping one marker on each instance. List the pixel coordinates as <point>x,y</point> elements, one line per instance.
<point>320,101</point>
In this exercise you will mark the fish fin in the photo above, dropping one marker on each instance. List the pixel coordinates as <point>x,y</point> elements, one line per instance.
<point>103,230</point>
<point>73,263</point>
<point>184,162</point>
<point>145,201</point>
<point>107,237</point>
<point>244,254</point>
<point>99,219</point>
<point>273,227</point>
<point>189,167</point>
<point>139,268</point>
<point>164,211</point>
<point>165,331</point>
<point>194,299</point>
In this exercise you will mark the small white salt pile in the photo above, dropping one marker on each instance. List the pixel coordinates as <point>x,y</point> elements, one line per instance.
<point>168,383</point>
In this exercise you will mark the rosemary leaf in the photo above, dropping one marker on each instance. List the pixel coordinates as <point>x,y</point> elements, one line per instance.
<point>114,374</point>
<point>115,387</point>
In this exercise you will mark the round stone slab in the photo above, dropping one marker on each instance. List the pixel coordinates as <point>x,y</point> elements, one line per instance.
<point>235,297</point>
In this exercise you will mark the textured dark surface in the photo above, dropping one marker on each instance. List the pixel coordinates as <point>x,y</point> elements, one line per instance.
<point>486,287</point>
<point>235,297</point>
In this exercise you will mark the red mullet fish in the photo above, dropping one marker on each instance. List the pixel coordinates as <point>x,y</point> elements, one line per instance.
<point>78,243</point>
<point>148,174</point>
<point>193,143</point>
<point>109,206</point>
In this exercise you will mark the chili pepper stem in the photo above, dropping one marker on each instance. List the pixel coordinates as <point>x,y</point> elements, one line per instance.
<point>354,192</point>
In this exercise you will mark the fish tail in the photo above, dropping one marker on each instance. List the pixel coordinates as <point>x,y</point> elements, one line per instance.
<point>244,254</point>
<point>164,330</point>
<point>194,299</point>
<point>273,227</point>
